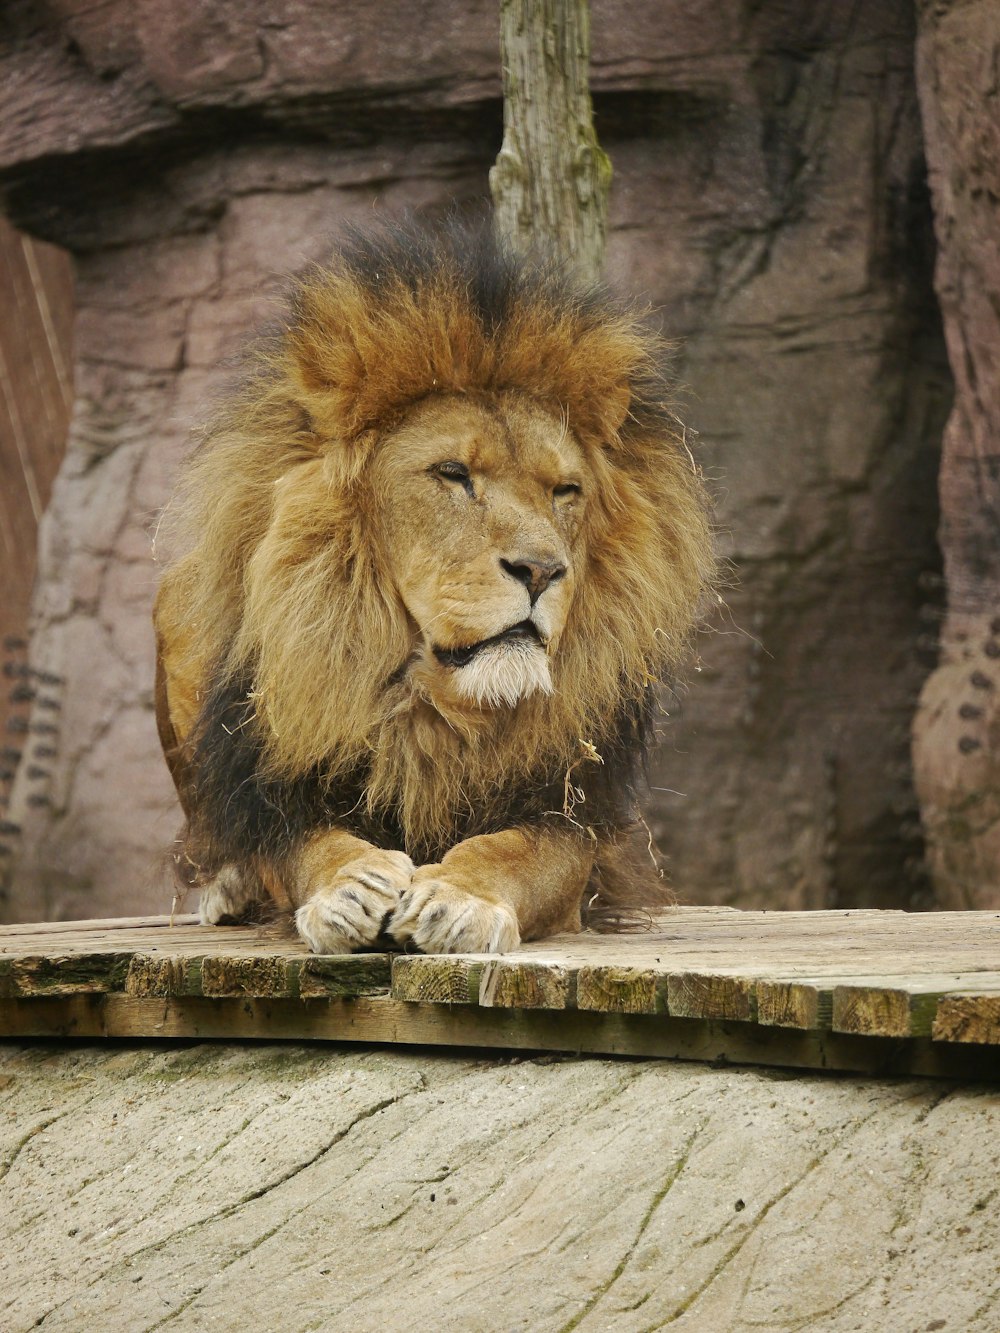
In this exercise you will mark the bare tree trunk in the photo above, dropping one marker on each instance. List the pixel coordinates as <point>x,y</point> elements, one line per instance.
<point>551,179</point>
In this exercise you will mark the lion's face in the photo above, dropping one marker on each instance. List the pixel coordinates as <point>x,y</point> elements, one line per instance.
<point>480,503</point>
<point>453,484</point>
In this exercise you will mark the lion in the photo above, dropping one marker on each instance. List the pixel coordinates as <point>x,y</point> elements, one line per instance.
<point>439,548</point>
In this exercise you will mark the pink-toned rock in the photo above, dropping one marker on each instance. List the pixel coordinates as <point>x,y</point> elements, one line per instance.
<point>957,730</point>
<point>768,200</point>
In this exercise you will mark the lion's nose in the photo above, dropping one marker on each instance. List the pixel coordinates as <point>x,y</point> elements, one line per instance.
<point>536,575</point>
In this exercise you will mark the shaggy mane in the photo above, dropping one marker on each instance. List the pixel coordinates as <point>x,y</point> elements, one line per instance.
<point>301,632</point>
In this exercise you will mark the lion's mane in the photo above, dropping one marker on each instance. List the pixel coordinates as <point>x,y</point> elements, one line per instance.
<point>305,717</point>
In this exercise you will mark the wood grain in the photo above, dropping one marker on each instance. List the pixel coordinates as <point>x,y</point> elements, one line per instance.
<point>401,1023</point>
<point>508,983</point>
<point>442,979</point>
<point>766,980</point>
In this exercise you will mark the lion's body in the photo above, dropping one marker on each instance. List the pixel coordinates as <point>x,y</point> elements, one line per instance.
<point>440,548</point>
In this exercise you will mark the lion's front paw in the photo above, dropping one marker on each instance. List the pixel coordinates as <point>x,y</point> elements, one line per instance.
<point>349,912</point>
<point>230,898</point>
<point>439,917</point>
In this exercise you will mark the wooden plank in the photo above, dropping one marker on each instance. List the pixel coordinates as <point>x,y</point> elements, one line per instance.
<point>90,924</point>
<point>868,974</point>
<point>308,977</point>
<point>880,1010</point>
<point>155,975</point>
<point>509,983</point>
<point>343,976</point>
<point>702,995</point>
<point>667,926</point>
<point>751,943</point>
<point>621,990</point>
<point>36,296</point>
<point>190,943</point>
<point>436,979</point>
<point>807,1002</point>
<point>904,1006</point>
<point>794,1004</point>
<point>968,1018</point>
<point>262,976</point>
<point>196,941</point>
<point>47,974</point>
<point>405,1023</point>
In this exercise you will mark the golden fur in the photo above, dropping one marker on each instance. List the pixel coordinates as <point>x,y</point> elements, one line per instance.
<point>332,566</point>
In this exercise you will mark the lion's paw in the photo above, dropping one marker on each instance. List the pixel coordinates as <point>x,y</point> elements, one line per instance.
<point>436,916</point>
<point>229,898</point>
<point>350,911</point>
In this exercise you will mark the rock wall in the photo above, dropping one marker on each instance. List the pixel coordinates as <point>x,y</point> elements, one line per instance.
<point>769,198</point>
<point>957,731</point>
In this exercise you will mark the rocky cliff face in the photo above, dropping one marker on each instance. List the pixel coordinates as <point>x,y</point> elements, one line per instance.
<point>769,198</point>
<point>957,730</point>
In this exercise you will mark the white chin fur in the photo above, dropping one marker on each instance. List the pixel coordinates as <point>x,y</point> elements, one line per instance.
<point>503,674</point>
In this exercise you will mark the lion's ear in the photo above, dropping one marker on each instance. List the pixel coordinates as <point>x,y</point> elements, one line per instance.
<point>357,357</point>
<point>616,406</point>
<point>327,360</point>
<point>595,372</point>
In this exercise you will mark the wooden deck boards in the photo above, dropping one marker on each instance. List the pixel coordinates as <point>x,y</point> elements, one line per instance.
<point>854,990</point>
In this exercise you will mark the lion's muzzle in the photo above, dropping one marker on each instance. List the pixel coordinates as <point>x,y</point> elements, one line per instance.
<point>501,670</point>
<point>523,631</point>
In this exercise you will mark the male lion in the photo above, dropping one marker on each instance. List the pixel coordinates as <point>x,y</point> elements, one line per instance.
<point>440,547</point>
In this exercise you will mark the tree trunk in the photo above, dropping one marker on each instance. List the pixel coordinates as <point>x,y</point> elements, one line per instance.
<point>551,179</point>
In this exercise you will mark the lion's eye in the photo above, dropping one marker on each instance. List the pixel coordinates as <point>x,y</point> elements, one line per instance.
<point>452,470</point>
<point>567,488</point>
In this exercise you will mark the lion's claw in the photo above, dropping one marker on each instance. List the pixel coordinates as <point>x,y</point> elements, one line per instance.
<point>436,916</point>
<point>350,911</point>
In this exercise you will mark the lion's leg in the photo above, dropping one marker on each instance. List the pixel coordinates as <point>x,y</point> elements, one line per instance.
<point>345,890</point>
<point>491,892</point>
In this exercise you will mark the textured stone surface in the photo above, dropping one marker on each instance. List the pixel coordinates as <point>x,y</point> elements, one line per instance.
<point>769,197</point>
<point>796,266</point>
<point>309,1188</point>
<point>156,316</point>
<point>957,730</point>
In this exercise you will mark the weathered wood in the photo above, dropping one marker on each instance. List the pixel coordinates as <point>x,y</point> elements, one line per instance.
<point>793,1004</point>
<point>307,977</point>
<point>441,979</point>
<point>62,974</point>
<point>621,990</point>
<point>382,1020</point>
<point>342,976</point>
<point>867,975</point>
<point>149,976</point>
<point>904,1007</point>
<point>962,1018</point>
<point>884,1011</point>
<point>551,179</point>
<point>694,995</point>
<point>509,983</point>
<point>88,925</point>
<point>259,977</point>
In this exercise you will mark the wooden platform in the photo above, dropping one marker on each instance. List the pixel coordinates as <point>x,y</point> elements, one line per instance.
<point>889,992</point>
